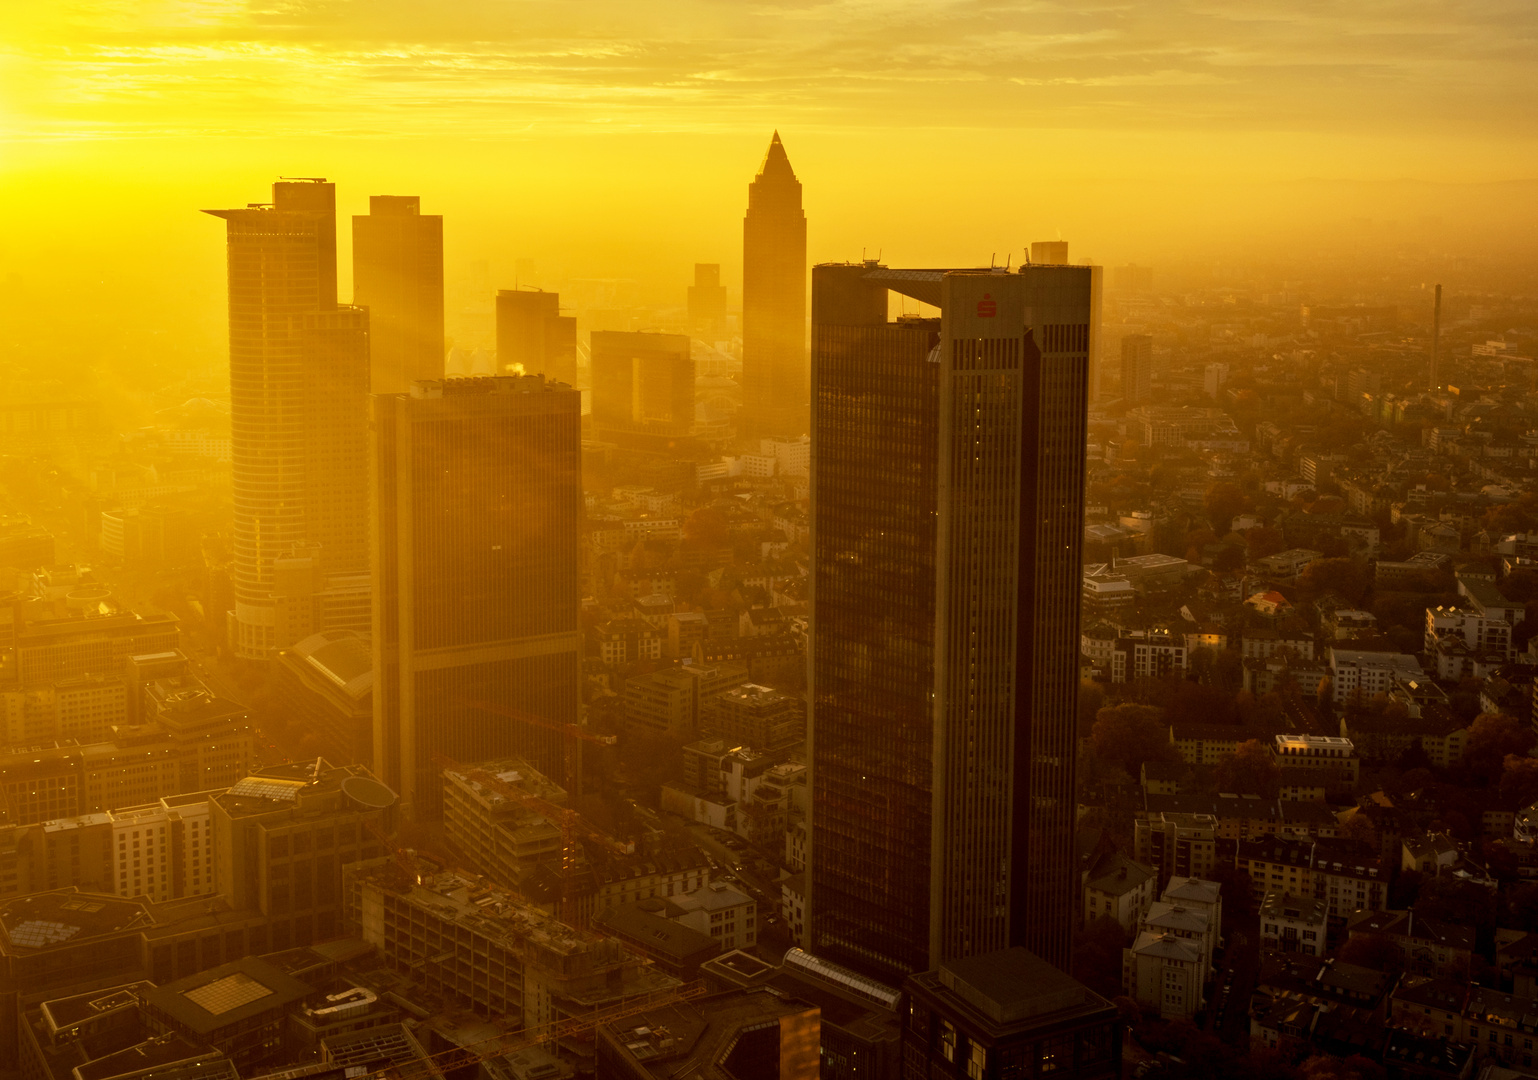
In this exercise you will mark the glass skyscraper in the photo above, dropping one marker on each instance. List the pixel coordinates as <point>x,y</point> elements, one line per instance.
<point>299,381</point>
<point>477,519</point>
<point>947,494</point>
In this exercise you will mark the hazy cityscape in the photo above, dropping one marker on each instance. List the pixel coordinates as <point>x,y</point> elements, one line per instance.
<point>899,578</point>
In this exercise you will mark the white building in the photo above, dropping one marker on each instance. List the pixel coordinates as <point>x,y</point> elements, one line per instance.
<point>720,911</point>
<point>1360,675</point>
<point>1293,923</point>
<point>1466,642</point>
<point>1329,753</point>
<point>1169,963</point>
<point>1148,655</point>
<point>1160,971</point>
<point>1119,888</point>
<point>793,907</point>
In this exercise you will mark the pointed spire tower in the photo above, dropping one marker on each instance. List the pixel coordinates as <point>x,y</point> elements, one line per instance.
<point>774,358</point>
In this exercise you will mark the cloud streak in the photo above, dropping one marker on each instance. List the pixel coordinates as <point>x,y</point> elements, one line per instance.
<point>133,68</point>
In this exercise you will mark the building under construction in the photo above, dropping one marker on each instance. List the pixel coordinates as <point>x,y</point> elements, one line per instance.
<point>479,948</point>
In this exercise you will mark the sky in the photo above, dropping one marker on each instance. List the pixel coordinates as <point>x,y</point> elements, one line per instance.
<point>616,137</point>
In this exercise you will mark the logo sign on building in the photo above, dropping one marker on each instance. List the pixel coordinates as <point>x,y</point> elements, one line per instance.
<point>987,307</point>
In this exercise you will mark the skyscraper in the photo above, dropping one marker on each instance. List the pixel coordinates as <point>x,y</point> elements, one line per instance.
<point>643,385</point>
<point>476,523</point>
<point>774,368</point>
<point>707,303</point>
<point>531,331</point>
<point>397,273</point>
<point>1049,252</point>
<point>1136,368</point>
<point>298,401</point>
<point>947,494</point>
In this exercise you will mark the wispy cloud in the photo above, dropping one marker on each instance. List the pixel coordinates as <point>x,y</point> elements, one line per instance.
<point>149,67</point>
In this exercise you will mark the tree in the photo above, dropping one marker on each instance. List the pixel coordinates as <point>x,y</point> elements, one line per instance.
<point>708,527</point>
<point>1192,703</point>
<point>1250,769</point>
<point>1359,827</point>
<point>1347,577</point>
<point>1097,955</point>
<point>1520,586</point>
<point>1519,780</point>
<point>1129,735</point>
<point>1493,736</point>
<point>1264,540</point>
<point>1231,557</point>
<point>1091,701</point>
<point>1224,502</point>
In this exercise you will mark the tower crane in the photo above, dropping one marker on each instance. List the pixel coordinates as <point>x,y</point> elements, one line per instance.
<point>572,736</point>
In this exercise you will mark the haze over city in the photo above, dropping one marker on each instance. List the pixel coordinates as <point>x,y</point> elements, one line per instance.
<point>805,538</point>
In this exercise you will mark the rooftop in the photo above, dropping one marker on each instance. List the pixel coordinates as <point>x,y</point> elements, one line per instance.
<point>1009,988</point>
<point>43,920</point>
<point>227,995</point>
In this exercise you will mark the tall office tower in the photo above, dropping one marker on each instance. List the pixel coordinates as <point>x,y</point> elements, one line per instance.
<point>397,273</point>
<point>1136,368</point>
<point>1214,378</point>
<point>947,495</point>
<point>1049,252</point>
<point>476,521</point>
<point>531,331</point>
<point>1436,340</point>
<point>774,370</point>
<point>707,303</point>
<point>296,361</point>
<point>643,385</point>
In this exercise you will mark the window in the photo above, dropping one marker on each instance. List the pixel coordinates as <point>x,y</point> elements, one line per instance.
<point>947,1041</point>
<point>977,1062</point>
<point>1057,1052</point>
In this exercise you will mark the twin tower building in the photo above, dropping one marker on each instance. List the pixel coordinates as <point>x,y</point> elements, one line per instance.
<point>442,518</point>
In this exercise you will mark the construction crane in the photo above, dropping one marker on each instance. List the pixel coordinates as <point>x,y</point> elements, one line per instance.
<point>572,736</point>
<point>405,859</point>
<point>573,826</point>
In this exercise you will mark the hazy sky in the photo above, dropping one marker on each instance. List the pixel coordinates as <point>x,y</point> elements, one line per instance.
<point>619,135</point>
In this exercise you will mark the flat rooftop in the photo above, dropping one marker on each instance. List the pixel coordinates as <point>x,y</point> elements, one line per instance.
<point>43,920</point>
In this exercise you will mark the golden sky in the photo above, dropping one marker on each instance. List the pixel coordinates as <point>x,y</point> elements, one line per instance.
<point>617,136</point>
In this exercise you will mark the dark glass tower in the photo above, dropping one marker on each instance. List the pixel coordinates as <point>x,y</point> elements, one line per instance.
<point>397,273</point>
<point>774,370</point>
<point>947,495</point>
<point>477,515</point>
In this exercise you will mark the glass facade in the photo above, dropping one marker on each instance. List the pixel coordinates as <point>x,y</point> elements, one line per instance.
<point>876,414</point>
<point>478,512</point>
<point>947,480</point>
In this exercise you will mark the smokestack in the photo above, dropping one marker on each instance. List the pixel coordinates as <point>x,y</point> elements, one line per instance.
<point>1436,338</point>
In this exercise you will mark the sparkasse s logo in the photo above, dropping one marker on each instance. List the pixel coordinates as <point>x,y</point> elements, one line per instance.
<point>987,307</point>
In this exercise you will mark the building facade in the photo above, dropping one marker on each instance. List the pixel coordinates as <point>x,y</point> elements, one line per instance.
<point>397,274</point>
<point>533,337</point>
<point>643,384</point>
<point>476,525</point>
<point>774,368</point>
<point>947,491</point>
<point>299,379</point>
